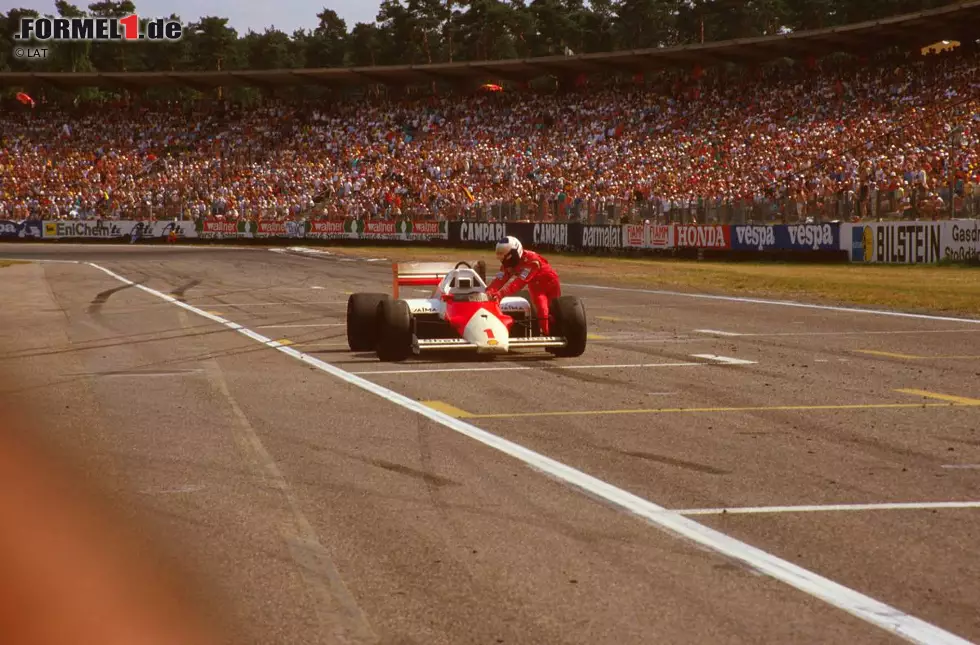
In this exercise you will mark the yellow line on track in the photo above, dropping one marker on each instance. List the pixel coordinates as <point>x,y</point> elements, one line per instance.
<point>950,401</point>
<point>908,357</point>
<point>445,408</point>
<point>912,357</point>
<point>958,400</point>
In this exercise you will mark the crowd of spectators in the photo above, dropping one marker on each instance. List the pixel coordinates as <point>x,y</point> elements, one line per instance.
<point>833,140</point>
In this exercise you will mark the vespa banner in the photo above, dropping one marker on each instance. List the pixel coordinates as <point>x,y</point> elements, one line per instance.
<point>781,237</point>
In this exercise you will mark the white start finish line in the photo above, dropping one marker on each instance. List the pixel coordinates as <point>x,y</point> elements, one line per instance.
<point>853,602</point>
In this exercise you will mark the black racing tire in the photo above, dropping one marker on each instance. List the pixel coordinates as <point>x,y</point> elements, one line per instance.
<point>362,320</point>
<point>394,331</point>
<point>569,321</point>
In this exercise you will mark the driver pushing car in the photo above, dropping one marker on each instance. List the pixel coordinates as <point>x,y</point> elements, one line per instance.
<point>520,268</point>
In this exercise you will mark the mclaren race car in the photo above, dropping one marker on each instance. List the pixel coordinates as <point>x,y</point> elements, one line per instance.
<point>458,315</point>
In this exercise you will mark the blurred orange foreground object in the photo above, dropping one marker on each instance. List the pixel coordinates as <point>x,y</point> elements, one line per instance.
<point>68,572</point>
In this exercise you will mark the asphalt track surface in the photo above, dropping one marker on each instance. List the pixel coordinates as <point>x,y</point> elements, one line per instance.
<point>315,511</point>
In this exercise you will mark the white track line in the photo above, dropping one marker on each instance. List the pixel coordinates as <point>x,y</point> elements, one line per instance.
<point>299,326</point>
<point>219,305</point>
<point>864,607</point>
<point>962,466</point>
<point>780,303</point>
<point>724,360</point>
<point>841,333</point>
<point>524,368</point>
<point>715,332</point>
<point>828,509</point>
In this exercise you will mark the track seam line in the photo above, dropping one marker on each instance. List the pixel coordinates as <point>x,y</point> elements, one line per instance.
<point>780,303</point>
<point>849,600</point>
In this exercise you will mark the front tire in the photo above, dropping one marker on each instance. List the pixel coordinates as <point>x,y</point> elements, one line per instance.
<point>570,322</point>
<point>394,331</point>
<point>362,320</point>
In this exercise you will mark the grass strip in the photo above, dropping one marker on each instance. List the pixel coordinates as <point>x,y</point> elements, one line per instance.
<point>915,288</point>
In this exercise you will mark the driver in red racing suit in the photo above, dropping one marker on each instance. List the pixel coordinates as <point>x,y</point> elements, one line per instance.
<point>520,268</point>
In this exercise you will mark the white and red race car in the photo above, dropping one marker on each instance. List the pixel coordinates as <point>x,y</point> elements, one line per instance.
<point>457,315</point>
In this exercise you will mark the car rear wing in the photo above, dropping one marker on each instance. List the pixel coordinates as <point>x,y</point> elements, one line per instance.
<point>420,274</point>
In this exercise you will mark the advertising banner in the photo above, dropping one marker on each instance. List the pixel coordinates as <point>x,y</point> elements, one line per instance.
<point>636,236</point>
<point>223,230</point>
<point>781,237</point>
<point>97,229</point>
<point>280,229</point>
<point>351,229</point>
<point>133,231</point>
<point>21,230</point>
<point>960,240</point>
<point>896,242</point>
<point>601,237</point>
<point>555,235</point>
<point>810,237</point>
<point>703,237</point>
<point>753,238</point>
<point>404,229</point>
<point>660,236</point>
<point>479,232</point>
<point>325,230</point>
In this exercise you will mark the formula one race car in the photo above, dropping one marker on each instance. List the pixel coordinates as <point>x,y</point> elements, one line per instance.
<point>457,315</point>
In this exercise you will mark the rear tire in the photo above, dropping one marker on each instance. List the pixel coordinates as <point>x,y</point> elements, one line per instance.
<point>569,321</point>
<point>394,331</point>
<point>362,320</point>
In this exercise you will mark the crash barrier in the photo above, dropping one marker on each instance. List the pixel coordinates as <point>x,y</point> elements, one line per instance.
<point>908,242</point>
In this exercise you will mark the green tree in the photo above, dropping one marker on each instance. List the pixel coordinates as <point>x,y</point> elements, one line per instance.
<point>212,45</point>
<point>161,56</point>
<point>115,56</point>
<point>271,49</point>
<point>364,45</point>
<point>71,56</point>
<point>641,24</point>
<point>9,24</point>
<point>327,45</point>
<point>486,30</point>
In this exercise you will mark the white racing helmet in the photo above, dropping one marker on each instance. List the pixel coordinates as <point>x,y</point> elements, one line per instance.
<point>509,251</point>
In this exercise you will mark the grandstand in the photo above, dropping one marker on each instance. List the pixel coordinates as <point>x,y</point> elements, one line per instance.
<point>704,135</point>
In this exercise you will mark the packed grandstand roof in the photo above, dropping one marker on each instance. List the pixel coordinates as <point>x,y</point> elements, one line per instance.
<point>825,137</point>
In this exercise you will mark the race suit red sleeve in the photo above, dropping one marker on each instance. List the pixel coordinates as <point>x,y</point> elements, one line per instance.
<point>526,272</point>
<point>499,281</point>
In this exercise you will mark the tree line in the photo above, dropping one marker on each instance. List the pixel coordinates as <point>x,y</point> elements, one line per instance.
<point>437,31</point>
